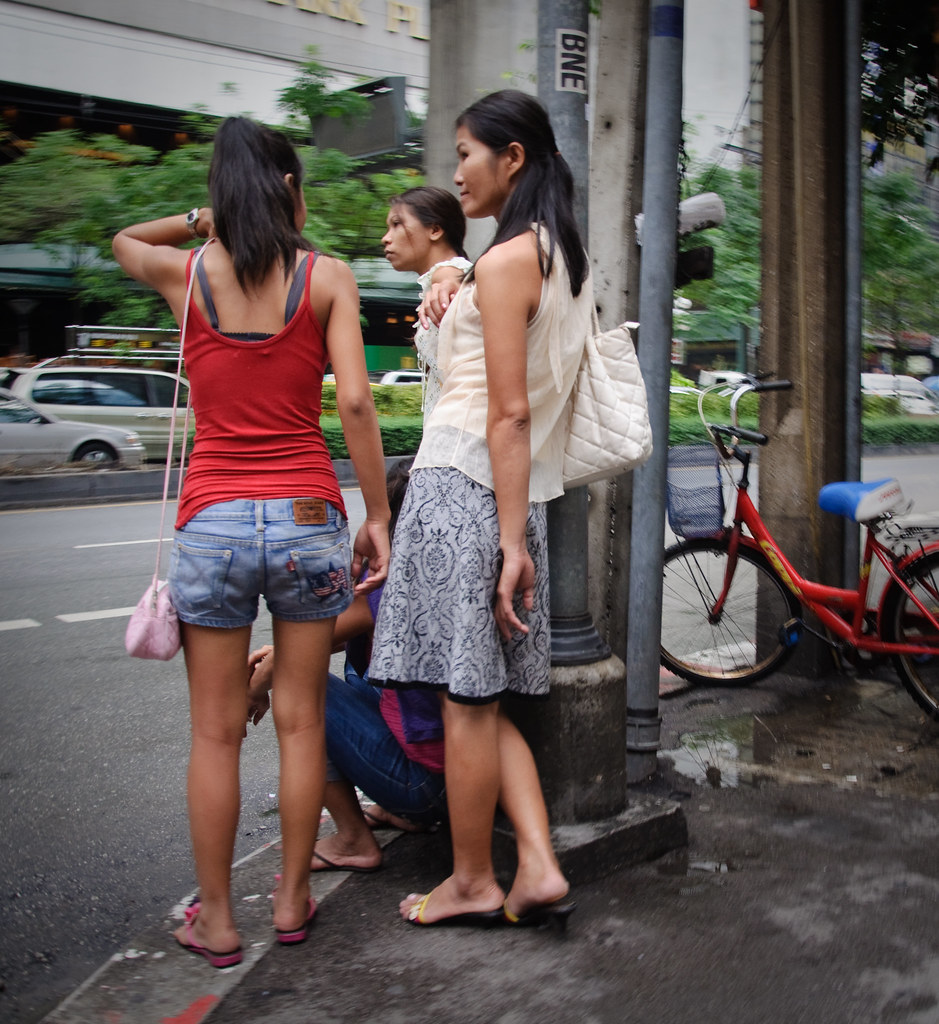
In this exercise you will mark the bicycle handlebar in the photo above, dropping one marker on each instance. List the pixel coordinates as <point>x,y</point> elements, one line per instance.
<point>772,385</point>
<point>738,432</point>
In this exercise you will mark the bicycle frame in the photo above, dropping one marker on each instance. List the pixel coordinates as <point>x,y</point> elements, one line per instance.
<point>843,612</point>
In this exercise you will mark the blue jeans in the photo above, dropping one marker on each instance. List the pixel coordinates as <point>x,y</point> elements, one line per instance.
<point>230,553</point>
<point>364,751</point>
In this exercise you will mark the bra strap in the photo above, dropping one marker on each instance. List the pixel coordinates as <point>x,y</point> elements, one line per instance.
<point>210,310</point>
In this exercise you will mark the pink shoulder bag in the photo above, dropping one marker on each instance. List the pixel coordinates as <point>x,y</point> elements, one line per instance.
<point>153,630</point>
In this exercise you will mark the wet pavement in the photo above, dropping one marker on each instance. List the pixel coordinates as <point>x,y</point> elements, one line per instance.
<point>808,891</point>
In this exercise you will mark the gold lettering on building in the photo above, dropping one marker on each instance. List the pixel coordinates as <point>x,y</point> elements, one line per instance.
<point>404,14</point>
<point>326,7</point>
<point>349,11</point>
<point>401,17</point>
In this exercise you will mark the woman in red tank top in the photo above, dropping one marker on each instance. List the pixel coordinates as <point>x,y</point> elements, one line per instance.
<point>261,510</point>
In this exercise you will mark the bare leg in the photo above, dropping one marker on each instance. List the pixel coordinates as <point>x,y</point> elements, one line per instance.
<point>299,696</point>
<point>539,879</point>
<point>216,662</point>
<point>471,761</point>
<point>353,845</point>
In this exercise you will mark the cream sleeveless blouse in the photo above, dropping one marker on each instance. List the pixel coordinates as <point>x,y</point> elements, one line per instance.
<point>455,432</point>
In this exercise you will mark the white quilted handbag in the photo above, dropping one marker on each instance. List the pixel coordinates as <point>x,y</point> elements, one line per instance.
<point>609,429</point>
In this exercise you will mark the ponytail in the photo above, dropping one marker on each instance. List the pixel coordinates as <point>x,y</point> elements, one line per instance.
<point>544,190</point>
<point>253,205</point>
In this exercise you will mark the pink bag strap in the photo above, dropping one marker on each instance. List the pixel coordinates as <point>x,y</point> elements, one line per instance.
<point>191,270</point>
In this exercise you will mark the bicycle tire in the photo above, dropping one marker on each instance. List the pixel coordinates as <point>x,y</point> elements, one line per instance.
<point>902,622</point>
<point>728,652</point>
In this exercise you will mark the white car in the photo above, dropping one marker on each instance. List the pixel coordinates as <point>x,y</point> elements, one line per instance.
<point>30,438</point>
<point>127,397</point>
<point>914,397</point>
<point>401,377</point>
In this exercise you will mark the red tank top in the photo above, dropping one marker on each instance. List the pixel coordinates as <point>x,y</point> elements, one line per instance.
<point>257,407</point>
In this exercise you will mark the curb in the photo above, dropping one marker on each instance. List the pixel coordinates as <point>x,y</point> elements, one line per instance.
<point>153,982</point>
<point>101,486</point>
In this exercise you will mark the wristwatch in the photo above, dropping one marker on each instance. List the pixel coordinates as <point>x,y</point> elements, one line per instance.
<point>192,221</point>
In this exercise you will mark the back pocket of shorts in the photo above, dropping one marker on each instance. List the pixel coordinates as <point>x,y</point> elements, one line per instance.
<point>198,576</point>
<point>323,574</point>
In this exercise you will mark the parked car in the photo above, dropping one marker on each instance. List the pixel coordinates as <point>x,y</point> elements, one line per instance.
<point>30,438</point>
<point>401,377</point>
<point>914,398</point>
<point>128,398</point>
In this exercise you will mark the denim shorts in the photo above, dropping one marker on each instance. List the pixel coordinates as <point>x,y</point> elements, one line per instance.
<point>229,554</point>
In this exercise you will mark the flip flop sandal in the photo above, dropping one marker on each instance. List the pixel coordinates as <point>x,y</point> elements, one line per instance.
<point>215,959</point>
<point>333,866</point>
<point>297,935</point>
<point>477,918</point>
<point>554,914</point>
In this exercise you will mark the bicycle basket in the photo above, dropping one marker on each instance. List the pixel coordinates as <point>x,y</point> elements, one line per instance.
<point>694,495</point>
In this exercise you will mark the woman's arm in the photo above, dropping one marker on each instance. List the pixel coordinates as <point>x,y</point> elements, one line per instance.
<point>508,292</point>
<point>356,408</point>
<point>150,253</point>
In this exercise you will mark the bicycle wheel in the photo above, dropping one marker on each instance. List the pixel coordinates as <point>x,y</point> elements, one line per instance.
<point>902,622</point>
<point>746,642</point>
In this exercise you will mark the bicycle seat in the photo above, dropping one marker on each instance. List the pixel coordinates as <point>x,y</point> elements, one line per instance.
<point>862,502</point>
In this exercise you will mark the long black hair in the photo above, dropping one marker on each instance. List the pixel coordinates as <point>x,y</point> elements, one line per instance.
<point>544,189</point>
<point>436,207</point>
<point>253,205</point>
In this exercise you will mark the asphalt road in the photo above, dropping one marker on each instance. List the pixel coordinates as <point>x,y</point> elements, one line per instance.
<point>94,840</point>
<point>93,746</point>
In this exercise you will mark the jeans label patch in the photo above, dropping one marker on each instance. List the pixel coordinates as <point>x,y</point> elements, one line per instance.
<point>309,511</point>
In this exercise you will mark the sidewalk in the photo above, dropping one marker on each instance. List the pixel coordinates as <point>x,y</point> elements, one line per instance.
<point>808,892</point>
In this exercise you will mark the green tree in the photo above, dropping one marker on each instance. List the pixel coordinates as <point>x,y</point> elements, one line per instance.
<point>70,195</point>
<point>308,98</point>
<point>900,259</point>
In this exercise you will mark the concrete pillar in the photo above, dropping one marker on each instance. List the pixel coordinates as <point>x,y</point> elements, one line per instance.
<point>803,287</point>
<point>615,197</point>
<point>474,45</point>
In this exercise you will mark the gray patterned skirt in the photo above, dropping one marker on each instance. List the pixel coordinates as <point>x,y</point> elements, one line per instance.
<point>435,626</point>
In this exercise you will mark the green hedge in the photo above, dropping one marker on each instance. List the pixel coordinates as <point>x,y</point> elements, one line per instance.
<point>399,415</point>
<point>400,435</point>
<point>901,430</point>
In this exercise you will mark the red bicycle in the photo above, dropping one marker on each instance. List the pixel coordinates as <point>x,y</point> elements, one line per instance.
<point>734,605</point>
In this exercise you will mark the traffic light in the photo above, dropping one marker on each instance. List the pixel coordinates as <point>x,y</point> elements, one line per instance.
<point>696,214</point>
<point>694,265</point>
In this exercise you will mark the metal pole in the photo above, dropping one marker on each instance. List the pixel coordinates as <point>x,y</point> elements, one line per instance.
<point>852,273</point>
<point>656,288</point>
<point>562,88</point>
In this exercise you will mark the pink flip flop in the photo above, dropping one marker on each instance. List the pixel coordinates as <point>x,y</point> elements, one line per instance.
<point>297,935</point>
<point>215,959</point>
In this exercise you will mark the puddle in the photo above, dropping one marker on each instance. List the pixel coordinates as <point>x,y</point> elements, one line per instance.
<point>863,733</point>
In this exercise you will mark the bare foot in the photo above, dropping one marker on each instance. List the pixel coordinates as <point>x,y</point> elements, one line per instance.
<point>335,853</point>
<point>196,932</point>
<point>529,892</point>
<point>449,900</point>
<point>292,918</point>
<point>378,817</point>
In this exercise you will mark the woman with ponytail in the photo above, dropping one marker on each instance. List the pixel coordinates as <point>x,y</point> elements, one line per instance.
<point>261,510</point>
<point>465,609</point>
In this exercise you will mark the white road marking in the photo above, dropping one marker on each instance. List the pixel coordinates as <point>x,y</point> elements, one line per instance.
<point>105,613</point>
<point>19,624</point>
<point>116,543</point>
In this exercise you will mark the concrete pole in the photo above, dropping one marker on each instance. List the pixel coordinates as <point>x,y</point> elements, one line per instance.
<point>656,288</point>
<point>563,88</point>
<point>803,270</point>
<point>617,104</point>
